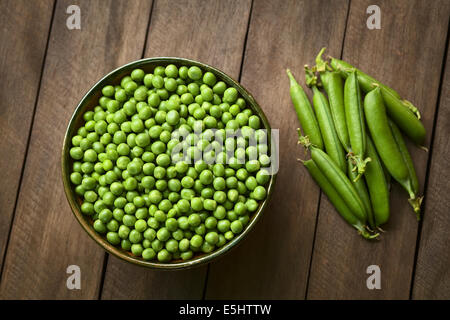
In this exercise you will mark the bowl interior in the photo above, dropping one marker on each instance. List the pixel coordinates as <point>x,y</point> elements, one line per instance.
<point>90,100</point>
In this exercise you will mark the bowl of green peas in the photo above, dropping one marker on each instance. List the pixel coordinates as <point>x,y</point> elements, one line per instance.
<point>168,163</point>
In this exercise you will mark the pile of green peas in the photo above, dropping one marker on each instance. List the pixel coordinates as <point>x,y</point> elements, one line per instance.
<point>142,200</point>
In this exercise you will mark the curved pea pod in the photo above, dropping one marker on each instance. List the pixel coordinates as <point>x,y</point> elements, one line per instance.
<point>340,182</point>
<point>361,188</point>
<point>330,138</point>
<point>305,114</point>
<point>366,82</point>
<point>334,87</point>
<point>404,118</point>
<point>355,123</point>
<point>377,185</point>
<point>416,203</point>
<point>386,145</point>
<point>336,199</point>
<point>403,112</point>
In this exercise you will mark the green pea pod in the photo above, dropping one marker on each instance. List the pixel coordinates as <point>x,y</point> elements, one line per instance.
<point>361,188</point>
<point>386,145</point>
<point>308,121</point>
<point>409,164</point>
<point>355,123</point>
<point>403,112</point>
<point>366,82</point>
<point>336,199</point>
<point>404,118</point>
<point>340,182</point>
<point>330,138</point>
<point>334,87</point>
<point>377,185</point>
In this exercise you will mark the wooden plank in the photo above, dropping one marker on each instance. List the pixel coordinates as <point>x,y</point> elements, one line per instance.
<point>407,54</point>
<point>273,262</point>
<point>212,32</point>
<point>432,279</point>
<point>45,237</point>
<point>24,28</point>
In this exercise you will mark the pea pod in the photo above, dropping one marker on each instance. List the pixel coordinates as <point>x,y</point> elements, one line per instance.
<point>361,188</point>
<point>366,82</point>
<point>334,87</point>
<point>403,112</point>
<point>336,199</point>
<point>305,114</point>
<point>404,118</point>
<point>409,164</point>
<point>377,185</point>
<point>386,145</point>
<point>338,180</point>
<point>330,138</point>
<point>355,123</point>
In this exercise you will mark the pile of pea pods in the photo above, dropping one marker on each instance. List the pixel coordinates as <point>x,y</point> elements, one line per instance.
<point>355,132</point>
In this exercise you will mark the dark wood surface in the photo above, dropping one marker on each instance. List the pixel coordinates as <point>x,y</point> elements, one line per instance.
<point>301,248</point>
<point>24,28</point>
<point>431,278</point>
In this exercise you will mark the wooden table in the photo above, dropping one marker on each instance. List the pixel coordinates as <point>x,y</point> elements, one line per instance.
<point>301,248</point>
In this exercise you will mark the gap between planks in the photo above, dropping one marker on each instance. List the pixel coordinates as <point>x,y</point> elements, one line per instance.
<point>28,141</point>
<point>430,158</point>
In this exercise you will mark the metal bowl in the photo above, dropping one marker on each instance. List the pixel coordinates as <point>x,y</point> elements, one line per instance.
<point>90,100</point>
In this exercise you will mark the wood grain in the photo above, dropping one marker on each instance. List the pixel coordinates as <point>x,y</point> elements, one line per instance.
<point>406,53</point>
<point>273,262</point>
<point>24,29</point>
<point>432,277</point>
<point>212,32</point>
<point>45,237</point>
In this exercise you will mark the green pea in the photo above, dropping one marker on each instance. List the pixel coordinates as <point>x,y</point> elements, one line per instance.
<point>195,73</point>
<point>209,204</point>
<point>206,177</point>
<point>230,95</point>
<point>99,226</point>
<point>196,241</point>
<point>236,226</point>
<point>259,193</point>
<point>171,71</point>
<point>212,238</point>
<point>223,226</point>
<point>148,254</point>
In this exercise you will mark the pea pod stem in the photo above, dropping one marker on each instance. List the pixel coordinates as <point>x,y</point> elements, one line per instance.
<point>329,135</point>
<point>336,199</point>
<point>338,179</point>
<point>361,188</point>
<point>305,113</point>
<point>355,123</point>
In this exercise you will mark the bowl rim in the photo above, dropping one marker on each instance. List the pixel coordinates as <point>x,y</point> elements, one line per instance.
<point>72,197</point>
